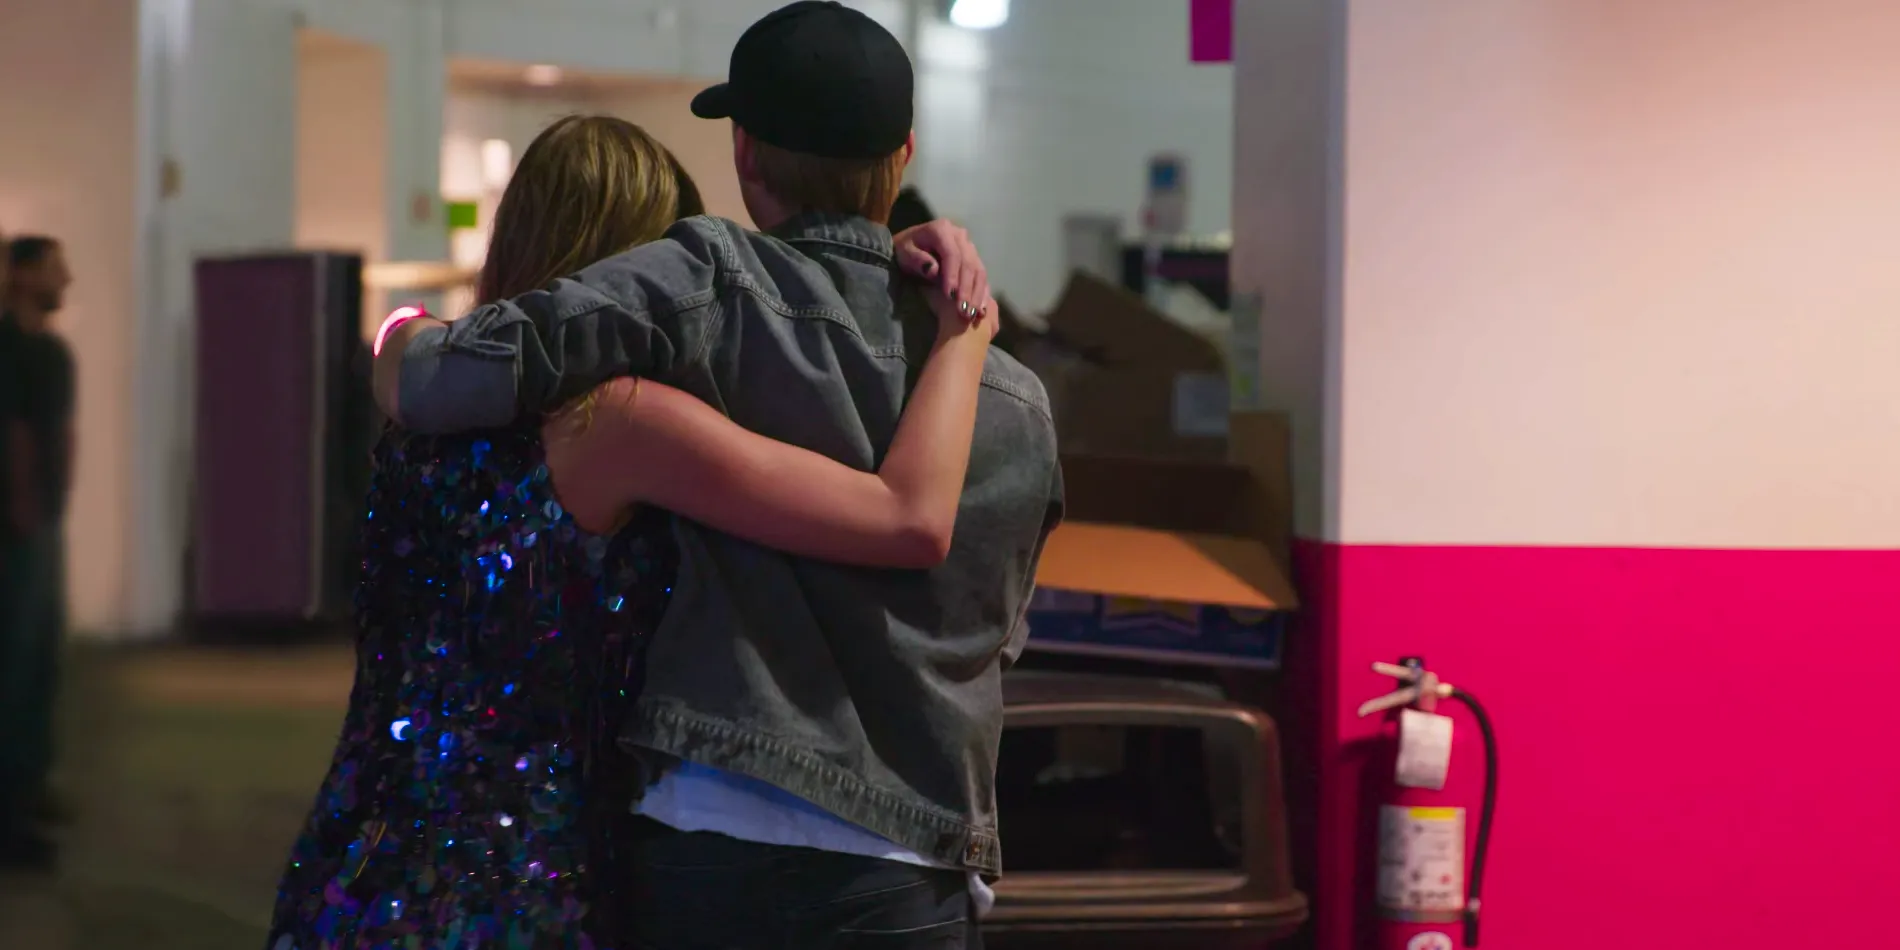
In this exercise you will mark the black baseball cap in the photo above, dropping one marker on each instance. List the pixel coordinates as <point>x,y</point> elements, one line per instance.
<point>820,78</point>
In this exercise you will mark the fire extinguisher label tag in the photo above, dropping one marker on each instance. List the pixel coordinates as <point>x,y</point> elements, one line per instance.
<point>1421,859</point>
<point>1424,750</point>
<point>1431,940</point>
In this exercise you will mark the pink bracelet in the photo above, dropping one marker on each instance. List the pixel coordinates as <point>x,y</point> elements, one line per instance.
<point>396,318</point>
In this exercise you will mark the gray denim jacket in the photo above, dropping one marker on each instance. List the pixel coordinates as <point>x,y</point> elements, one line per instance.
<point>875,694</point>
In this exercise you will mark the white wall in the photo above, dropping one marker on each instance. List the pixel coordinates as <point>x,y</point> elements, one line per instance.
<point>217,100</point>
<point>1063,107</point>
<point>67,169</point>
<point>418,55</point>
<point>1529,276</point>
<point>1288,77</point>
<point>1608,279</point>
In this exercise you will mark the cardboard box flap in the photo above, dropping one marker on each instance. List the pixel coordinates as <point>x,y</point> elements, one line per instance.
<point>911,210</point>
<point>1117,327</point>
<point>1180,566</point>
<point>1013,331</point>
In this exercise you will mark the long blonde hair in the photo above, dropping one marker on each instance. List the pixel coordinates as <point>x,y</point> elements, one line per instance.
<point>587,188</point>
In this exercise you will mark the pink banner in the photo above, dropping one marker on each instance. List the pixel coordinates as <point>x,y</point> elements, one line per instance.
<point>1211,31</point>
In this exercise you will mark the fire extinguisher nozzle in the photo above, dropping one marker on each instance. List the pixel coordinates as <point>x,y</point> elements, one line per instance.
<point>1404,674</point>
<point>1392,700</point>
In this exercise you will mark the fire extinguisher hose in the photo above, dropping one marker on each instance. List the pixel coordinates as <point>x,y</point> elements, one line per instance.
<point>1487,810</point>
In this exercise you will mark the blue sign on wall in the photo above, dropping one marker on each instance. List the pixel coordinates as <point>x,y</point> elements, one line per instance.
<point>1078,622</point>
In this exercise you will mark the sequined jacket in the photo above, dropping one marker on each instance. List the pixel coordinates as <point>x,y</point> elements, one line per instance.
<point>476,796</point>
<point>874,694</point>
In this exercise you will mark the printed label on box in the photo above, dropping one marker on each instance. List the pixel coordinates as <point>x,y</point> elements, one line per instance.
<point>1200,404</point>
<point>1055,600</point>
<point>1169,631</point>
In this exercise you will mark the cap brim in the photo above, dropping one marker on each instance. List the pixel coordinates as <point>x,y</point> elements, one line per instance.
<point>714,102</point>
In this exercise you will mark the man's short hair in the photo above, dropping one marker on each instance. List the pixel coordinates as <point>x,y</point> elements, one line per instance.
<point>864,187</point>
<point>27,250</point>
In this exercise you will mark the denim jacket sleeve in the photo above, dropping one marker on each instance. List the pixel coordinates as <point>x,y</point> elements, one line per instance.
<point>647,312</point>
<point>1051,519</point>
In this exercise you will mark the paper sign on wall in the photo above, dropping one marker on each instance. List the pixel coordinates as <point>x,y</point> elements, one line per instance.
<point>1165,212</point>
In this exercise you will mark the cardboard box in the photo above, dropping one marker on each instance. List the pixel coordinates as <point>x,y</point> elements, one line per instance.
<point>1013,333</point>
<point>1123,379</point>
<point>1126,380</point>
<point>1173,560</point>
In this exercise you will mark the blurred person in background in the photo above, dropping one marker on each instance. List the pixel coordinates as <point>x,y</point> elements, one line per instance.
<point>823,738</point>
<point>36,404</point>
<point>510,578</point>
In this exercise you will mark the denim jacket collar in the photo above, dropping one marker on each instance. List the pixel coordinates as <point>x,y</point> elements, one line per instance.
<point>849,230</point>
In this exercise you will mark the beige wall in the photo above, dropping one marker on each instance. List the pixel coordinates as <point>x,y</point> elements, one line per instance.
<point>341,144</point>
<point>473,116</point>
<point>342,151</point>
<point>1621,272</point>
<point>67,168</point>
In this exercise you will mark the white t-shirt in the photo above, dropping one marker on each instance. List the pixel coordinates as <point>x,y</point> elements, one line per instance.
<point>694,797</point>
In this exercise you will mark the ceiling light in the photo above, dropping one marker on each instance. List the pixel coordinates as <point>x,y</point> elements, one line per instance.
<point>542,75</point>
<point>979,14</point>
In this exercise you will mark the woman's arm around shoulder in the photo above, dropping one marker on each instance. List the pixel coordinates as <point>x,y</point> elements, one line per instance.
<point>640,442</point>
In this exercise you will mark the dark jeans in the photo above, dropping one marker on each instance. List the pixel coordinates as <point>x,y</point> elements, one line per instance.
<point>704,891</point>
<point>32,622</point>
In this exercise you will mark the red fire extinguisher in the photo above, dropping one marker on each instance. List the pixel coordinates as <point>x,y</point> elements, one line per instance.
<point>1426,899</point>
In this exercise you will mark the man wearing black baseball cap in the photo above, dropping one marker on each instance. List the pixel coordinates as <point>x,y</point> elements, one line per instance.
<point>818,78</point>
<point>823,738</point>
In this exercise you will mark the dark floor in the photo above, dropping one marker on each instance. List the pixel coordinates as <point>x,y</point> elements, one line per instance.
<point>188,772</point>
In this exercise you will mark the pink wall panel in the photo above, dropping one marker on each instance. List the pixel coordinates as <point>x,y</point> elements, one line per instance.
<point>1696,745</point>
